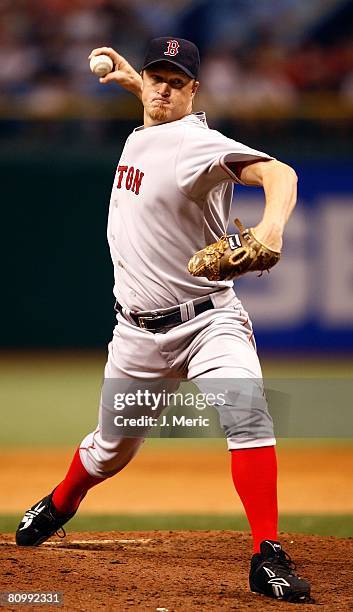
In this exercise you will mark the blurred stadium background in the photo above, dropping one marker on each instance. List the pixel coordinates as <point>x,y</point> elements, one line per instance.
<point>277,75</point>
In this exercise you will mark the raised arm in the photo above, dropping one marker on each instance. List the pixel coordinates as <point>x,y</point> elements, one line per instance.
<point>279,183</point>
<point>123,74</point>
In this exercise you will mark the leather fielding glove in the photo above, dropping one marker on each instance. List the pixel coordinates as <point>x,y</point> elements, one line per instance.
<point>233,255</point>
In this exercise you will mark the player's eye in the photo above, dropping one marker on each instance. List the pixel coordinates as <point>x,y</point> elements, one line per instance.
<point>177,83</point>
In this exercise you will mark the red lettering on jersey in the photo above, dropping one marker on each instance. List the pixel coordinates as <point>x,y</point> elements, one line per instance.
<point>121,170</point>
<point>173,48</point>
<point>129,177</point>
<point>137,181</point>
<point>133,178</point>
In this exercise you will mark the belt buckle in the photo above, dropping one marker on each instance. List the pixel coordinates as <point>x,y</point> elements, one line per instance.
<point>142,320</point>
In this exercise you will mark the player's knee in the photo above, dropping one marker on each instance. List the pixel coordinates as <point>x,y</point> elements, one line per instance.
<point>105,459</point>
<point>115,460</point>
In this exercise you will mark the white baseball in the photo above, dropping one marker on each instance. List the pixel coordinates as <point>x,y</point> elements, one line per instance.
<point>101,65</point>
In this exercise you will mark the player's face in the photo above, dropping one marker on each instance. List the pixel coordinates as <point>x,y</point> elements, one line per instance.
<point>167,94</point>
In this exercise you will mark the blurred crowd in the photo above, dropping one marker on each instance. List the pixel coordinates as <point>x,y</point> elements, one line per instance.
<point>44,46</point>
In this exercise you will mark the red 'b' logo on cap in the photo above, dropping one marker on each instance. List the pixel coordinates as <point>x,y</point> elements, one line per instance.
<point>173,48</point>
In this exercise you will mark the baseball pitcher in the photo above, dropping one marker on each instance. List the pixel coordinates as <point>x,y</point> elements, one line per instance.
<point>177,313</point>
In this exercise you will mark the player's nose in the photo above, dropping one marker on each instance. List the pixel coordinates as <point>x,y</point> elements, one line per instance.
<point>164,89</point>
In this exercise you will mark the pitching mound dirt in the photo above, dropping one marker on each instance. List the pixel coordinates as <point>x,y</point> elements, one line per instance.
<point>175,571</point>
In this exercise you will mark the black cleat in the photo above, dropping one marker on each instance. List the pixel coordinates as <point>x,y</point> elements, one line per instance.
<point>40,522</point>
<point>272,573</point>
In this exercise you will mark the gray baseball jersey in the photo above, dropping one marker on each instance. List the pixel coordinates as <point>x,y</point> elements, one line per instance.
<point>171,196</point>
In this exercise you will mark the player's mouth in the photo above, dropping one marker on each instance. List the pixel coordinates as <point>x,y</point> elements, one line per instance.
<point>160,100</point>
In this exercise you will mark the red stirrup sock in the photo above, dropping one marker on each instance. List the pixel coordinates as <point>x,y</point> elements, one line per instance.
<point>254,472</point>
<point>69,493</point>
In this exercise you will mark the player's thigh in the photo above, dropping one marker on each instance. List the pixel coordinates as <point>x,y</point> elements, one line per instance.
<point>128,414</point>
<point>225,366</point>
<point>225,349</point>
<point>134,353</point>
<point>130,408</point>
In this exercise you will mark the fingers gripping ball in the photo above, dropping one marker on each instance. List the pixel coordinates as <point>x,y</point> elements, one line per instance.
<point>101,65</point>
<point>233,255</point>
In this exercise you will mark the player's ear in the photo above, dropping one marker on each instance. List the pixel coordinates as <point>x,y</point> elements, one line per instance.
<point>195,87</point>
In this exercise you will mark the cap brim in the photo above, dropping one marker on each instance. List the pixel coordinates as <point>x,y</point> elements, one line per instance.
<point>159,61</point>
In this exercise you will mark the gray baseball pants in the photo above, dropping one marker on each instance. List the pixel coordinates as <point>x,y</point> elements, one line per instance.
<point>217,344</point>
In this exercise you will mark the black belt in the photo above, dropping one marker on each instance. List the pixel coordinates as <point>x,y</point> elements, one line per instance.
<point>155,321</point>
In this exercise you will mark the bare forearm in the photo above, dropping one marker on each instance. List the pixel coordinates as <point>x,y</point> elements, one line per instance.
<point>279,183</point>
<point>280,188</point>
<point>134,84</point>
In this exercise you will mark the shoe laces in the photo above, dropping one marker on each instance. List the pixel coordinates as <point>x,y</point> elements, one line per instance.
<point>282,560</point>
<point>61,533</point>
